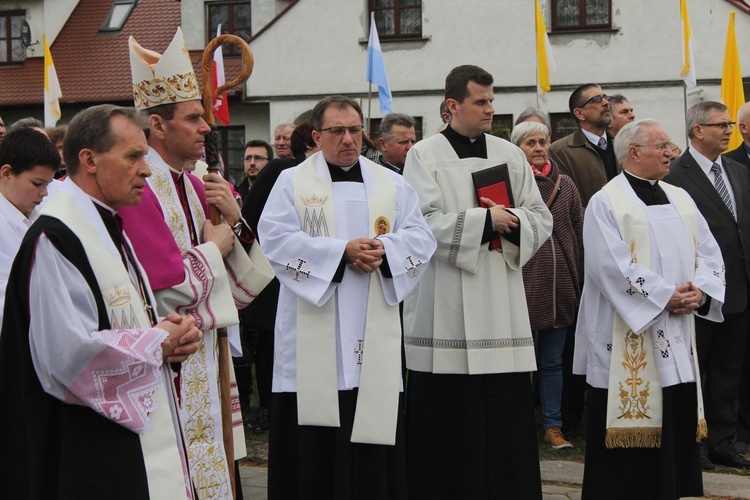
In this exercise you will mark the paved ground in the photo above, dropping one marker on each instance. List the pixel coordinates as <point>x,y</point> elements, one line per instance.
<point>562,480</point>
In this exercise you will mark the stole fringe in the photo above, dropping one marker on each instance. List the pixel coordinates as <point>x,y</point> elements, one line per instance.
<point>702,431</point>
<point>633,437</point>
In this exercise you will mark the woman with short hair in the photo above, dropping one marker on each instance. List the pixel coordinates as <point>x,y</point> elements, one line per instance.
<point>551,277</point>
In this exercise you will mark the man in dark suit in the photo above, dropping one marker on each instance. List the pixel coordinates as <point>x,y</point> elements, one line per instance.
<point>721,190</point>
<point>742,155</point>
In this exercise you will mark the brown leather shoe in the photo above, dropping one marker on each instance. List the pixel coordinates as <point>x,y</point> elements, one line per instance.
<point>554,437</point>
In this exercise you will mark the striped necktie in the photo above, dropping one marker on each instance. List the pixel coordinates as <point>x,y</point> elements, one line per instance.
<point>721,187</point>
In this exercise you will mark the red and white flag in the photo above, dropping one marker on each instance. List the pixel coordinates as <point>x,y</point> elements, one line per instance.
<point>221,104</point>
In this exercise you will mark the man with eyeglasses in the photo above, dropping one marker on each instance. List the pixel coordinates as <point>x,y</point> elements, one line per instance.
<point>650,264</point>
<point>721,189</point>
<point>587,155</point>
<point>348,242</point>
<point>257,155</point>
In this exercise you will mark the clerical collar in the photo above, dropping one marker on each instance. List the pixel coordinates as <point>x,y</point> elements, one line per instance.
<point>175,172</point>
<point>465,147</point>
<point>101,205</point>
<point>593,138</point>
<point>352,173</point>
<point>641,179</point>
<point>647,190</point>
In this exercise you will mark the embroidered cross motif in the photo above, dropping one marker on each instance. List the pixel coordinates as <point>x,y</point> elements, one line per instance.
<point>636,287</point>
<point>412,268</point>
<point>662,344</point>
<point>609,347</point>
<point>721,275</point>
<point>298,270</point>
<point>358,348</point>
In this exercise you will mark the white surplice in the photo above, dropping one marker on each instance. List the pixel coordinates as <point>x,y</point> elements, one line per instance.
<point>13,225</point>
<point>409,243</point>
<point>468,314</point>
<point>609,273</point>
<point>118,372</point>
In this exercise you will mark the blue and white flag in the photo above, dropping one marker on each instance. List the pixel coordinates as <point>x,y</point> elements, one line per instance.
<point>376,69</point>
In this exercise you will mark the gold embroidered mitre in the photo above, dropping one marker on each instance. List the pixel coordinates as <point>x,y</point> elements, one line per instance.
<point>162,79</point>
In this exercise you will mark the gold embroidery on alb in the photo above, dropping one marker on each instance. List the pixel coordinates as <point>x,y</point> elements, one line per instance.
<point>634,399</point>
<point>633,257</point>
<point>118,297</point>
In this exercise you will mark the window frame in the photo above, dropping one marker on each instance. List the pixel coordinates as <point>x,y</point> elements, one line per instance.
<point>231,172</point>
<point>228,50</point>
<point>500,122</point>
<point>581,26</point>
<point>104,28</point>
<point>396,8</point>
<point>7,16</point>
<point>557,127</point>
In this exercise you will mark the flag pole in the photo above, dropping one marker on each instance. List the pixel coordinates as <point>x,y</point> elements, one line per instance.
<point>369,109</point>
<point>212,157</point>
<point>684,110</point>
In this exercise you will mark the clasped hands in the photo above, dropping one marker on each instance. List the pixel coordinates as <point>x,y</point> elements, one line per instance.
<point>502,220</point>
<point>685,299</point>
<point>183,337</point>
<point>364,254</point>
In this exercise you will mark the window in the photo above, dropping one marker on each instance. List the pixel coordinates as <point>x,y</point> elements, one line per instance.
<point>118,15</point>
<point>502,125</point>
<point>234,18</point>
<point>11,48</point>
<point>581,15</point>
<point>397,18</point>
<point>232,150</point>
<point>562,125</point>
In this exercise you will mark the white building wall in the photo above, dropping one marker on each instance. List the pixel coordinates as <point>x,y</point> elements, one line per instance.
<point>319,48</point>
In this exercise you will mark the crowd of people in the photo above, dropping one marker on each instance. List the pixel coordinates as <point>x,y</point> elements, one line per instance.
<point>394,296</point>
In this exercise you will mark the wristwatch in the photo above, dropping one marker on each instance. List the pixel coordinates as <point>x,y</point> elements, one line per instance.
<point>237,228</point>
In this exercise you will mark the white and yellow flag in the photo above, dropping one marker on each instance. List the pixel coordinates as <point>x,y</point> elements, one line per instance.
<point>52,92</point>
<point>688,48</point>
<point>545,62</point>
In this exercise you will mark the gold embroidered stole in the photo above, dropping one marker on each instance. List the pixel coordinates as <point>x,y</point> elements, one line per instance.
<point>317,385</point>
<point>201,406</point>
<point>167,477</point>
<point>164,188</point>
<point>634,399</point>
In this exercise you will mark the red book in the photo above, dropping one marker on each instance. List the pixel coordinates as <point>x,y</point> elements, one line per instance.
<point>494,183</point>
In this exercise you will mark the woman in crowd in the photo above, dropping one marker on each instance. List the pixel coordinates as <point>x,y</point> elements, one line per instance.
<point>551,277</point>
<point>28,162</point>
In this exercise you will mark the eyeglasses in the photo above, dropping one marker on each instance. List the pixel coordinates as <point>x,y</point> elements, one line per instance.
<point>256,158</point>
<point>353,130</point>
<point>661,146</point>
<point>597,99</point>
<point>721,125</point>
